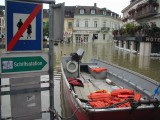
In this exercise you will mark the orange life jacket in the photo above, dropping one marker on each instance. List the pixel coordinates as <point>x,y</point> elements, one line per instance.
<point>98,70</point>
<point>103,98</point>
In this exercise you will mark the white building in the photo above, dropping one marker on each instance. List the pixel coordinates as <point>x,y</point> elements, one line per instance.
<point>145,13</point>
<point>142,11</point>
<point>93,24</point>
<point>2,20</point>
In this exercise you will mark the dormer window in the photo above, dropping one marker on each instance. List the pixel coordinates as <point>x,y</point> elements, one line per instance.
<point>81,11</point>
<point>104,12</point>
<point>93,11</point>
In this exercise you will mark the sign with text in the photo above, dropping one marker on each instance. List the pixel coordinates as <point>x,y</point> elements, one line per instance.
<point>152,39</point>
<point>26,105</point>
<point>27,63</point>
<point>22,64</point>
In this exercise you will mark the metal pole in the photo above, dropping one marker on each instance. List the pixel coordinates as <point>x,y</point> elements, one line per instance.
<point>0,101</point>
<point>51,59</point>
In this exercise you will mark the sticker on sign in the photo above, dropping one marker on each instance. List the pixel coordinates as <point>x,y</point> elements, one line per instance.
<point>13,64</point>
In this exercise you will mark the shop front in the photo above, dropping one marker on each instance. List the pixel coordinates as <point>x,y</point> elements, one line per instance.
<point>144,46</point>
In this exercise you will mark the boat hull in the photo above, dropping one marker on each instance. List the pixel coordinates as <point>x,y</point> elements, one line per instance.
<point>77,97</point>
<point>125,114</point>
<point>70,98</point>
<point>149,114</point>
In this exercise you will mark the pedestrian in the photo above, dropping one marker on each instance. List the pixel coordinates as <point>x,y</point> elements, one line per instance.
<point>29,31</point>
<point>19,24</point>
<point>81,40</point>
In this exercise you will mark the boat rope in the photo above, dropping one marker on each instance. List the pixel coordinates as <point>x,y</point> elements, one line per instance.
<point>134,104</point>
<point>119,103</point>
<point>62,118</point>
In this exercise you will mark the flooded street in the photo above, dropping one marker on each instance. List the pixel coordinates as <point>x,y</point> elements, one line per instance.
<point>147,66</point>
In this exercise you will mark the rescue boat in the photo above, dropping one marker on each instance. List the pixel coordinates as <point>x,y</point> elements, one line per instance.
<point>98,90</point>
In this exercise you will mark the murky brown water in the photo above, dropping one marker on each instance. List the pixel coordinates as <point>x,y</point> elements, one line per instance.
<point>147,66</point>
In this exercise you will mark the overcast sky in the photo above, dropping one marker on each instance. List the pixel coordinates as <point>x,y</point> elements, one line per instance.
<point>114,5</point>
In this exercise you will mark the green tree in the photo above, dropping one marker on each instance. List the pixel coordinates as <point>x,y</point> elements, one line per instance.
<point>45,29</point>
<point>130,29</point>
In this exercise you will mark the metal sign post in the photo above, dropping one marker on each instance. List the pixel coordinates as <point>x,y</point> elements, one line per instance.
<point>0,100</point>
<point>51,60</point>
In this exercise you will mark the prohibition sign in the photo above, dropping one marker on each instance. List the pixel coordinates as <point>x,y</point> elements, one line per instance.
<point>13,40</point>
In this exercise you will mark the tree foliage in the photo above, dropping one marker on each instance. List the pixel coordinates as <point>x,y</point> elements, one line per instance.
<point>46,29</point>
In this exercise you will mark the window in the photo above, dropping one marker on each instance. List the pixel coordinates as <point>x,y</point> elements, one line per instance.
<point>104,12</point>
<point>93,11</point>
<point>104,36</point>
<point>104,23</point>
<point>95,36</point>
<point>70,25</point>
<point>81,11</point>
<point>95,23</point>
<point>77,23</point>
<point>86,38</point>
<point>78,38</point>
<point>86,23</point>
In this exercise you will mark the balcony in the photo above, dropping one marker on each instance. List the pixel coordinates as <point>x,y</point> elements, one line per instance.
<point>105,29</point>
<point>143,11</point>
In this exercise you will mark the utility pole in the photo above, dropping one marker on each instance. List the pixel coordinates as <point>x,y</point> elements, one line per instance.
<point>0,101</point>
<point>51,58</point>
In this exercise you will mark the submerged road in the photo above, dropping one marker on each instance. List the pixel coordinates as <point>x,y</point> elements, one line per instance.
<point>147,66</point>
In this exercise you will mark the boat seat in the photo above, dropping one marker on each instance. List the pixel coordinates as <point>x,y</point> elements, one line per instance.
<point>83,92</point>
<point>100,75</point>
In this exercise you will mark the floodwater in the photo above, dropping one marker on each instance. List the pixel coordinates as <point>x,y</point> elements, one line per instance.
<point>147,66</point>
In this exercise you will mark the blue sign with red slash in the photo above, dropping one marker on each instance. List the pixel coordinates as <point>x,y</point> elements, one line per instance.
<point>24,26</point>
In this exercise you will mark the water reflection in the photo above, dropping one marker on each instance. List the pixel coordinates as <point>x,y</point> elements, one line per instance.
<point>145,65</point>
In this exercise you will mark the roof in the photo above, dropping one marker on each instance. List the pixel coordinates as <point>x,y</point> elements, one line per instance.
<point>99,11</point>
<point>69,11</point>
<point>130,5</point>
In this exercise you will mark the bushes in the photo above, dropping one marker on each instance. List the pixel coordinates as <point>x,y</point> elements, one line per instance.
<point>143,29</point>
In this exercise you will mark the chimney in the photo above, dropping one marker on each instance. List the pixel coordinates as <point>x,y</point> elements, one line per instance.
<point>95,4</point>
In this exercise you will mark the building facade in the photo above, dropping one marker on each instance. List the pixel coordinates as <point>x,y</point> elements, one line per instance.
<point>86,24</point>
<point>2,21</point>
<point>93,24</point>
<point>145,16</point>
<point>69,23</point>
